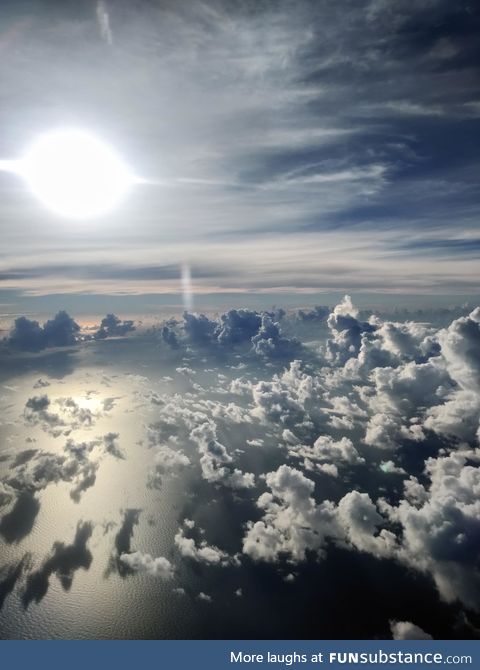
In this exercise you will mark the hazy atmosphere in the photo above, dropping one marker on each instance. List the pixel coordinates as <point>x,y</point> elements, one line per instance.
<point>239,319</point>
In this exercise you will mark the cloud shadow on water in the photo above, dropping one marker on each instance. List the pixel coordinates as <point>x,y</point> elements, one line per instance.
<point>51,364</point>
<point>23,457</point>
<point>63,561</point>
<point>10,576</point>
<point>18,523</point>
<point>122,543</point>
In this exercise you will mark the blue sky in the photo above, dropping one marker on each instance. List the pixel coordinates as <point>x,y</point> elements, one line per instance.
<point>287,147</point>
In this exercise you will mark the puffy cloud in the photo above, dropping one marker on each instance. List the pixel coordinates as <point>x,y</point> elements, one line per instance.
<point>397,399</point>
<point>390,468</point>
<point>203,552</point>
<point>290,398</point>
<point>28,335</point>
<point>237,326</point>
<point>346,332</point>
<point>345,413</point>
<point>55,417</point>
<point>406,630</point>
<point>444,388</point>
<point>292,522</point>
<point>415,493</point>
<point>48,468</point>
<point>75,413</point>
<point>216,463</point>
<point>204,597</point>
<point>199,329</point>
<point>38,404</point>
<point>167,462</point>
<point>326,450</point>
<point>270,343</point>
<point>64,414</point>
<point>418,381</point>
<point>229,412</point>
<point>407,341</point>
<point>327,468</point>
<point>440,524</point>
<point>425,383</point>
<point>344,308</point>
<point>241,326</point>
<point>458,417</point>
<point>274,402</point>
<point>112,326</point>
<point>77,463</point>
<point>61,331</point>
<point>460,344</point>
<point>289,438</point>
<point>240,386</point>
<point>360,520</point>
<point>169,336</point>
<point>365,345</point>
<point>185,371</point>
<point>155,567</point>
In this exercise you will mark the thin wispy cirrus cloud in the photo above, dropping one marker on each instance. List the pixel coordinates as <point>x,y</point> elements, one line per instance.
<point>296,147</point>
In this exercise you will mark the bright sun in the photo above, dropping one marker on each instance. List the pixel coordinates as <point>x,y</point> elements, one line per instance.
<point>75,174</point>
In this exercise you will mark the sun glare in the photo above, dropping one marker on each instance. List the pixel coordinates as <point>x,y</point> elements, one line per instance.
<point>75,174</point>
